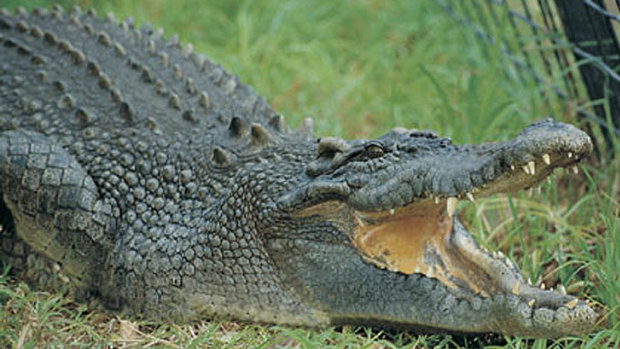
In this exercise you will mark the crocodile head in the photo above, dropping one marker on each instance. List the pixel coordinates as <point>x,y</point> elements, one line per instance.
<point>377,240</point>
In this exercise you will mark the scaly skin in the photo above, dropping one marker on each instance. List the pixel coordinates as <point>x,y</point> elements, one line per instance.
<point>139,172</point>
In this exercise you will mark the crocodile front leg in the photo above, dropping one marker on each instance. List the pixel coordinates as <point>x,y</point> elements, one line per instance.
<point>54,206</point>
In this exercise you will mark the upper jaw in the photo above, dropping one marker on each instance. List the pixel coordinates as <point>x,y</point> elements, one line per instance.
<point>470,171</point>
<point>430,169</point>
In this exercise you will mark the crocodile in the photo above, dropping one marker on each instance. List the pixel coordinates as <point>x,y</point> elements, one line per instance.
<point>136,172</point>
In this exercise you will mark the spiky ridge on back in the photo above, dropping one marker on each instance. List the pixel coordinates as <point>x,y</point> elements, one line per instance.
<point>185,91</point>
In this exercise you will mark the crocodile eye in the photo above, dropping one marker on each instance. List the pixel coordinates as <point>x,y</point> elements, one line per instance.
<point>374,151</point>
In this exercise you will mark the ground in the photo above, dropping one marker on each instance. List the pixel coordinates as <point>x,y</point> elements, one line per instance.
<point>360,68</point>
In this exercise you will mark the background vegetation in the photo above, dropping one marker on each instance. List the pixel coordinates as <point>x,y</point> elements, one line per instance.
<point>360,68</point>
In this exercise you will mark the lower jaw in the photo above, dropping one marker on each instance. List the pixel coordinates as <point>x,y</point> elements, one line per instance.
<point>435,245</point>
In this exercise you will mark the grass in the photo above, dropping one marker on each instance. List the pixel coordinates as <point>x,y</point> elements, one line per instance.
<point>360,68</point>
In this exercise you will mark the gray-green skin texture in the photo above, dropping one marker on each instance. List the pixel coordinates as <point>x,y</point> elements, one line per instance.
<point>137,172</point>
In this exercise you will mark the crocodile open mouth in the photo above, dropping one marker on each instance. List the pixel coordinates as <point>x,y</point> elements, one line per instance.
<point>425,237</point>
<point>421,238</point>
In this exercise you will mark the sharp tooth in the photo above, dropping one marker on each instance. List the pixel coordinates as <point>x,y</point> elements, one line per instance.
<point>451,205</point>
<point>532,167</point>
<point>430,273</point>
<point>392,211</point>
<point>572,304</point>
<point>546,159</point>
<point>562,289</point>
<point>516,289</point>
<point>542,286</point>
<point>437,200</point>
<point>570,155</point>
<point>470,196</point>
<point>575,169</point>
<point>526,169</point>
<point>531,303</point>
